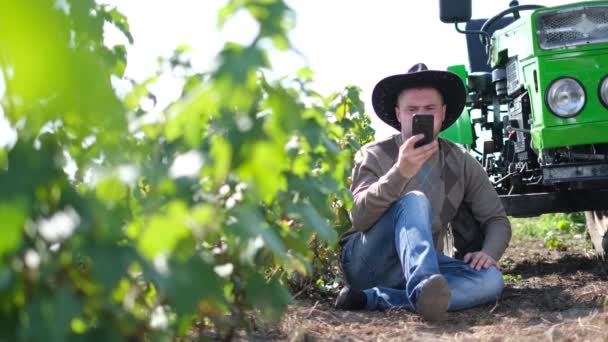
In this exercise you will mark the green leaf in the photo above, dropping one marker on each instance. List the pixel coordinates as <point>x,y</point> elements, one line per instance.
<point>111,190</point>
<point>305,74</point>
<point>228,11</point>
<point>6,278</point>
<point>78,326</point>
<point>49,319</point>
<point>66,306</point>
<point>111,263</point>
<point>270,297</point>
<point>163,232</point>
<point>281,42</point>
<point>189,116</point>
<point>248,222</point>
<point>264,168</point>
<point>8,327</point>
<point>121,60</point>
<point>274,242</point>
<point>354,97</point>
<point>193,284</point>
<point>3,159</point>
<point>238,66</point>
<point>331,146</point>
<point>13,222</point>
<point>274,17</point>
<point>140,91</point>
<point>221,152</point>
<point>286,113</point>
<point>301,165</point>
<point>309,216</point>
<point>120,21</point>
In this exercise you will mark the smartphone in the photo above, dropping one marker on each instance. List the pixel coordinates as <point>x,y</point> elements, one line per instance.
<point>423,124</point>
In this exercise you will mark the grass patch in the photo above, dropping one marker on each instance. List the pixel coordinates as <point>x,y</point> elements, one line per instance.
<point>558,231</point>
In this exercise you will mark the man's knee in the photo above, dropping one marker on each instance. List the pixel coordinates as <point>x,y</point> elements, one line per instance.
<point>492,283</point>
<point>414,199</point>
<point>416,202</point>
<point>412,202</point>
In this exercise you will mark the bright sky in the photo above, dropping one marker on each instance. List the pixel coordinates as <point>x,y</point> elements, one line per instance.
<point>343,41</point>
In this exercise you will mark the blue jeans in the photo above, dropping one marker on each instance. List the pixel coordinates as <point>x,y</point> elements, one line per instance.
<point>392,260</point>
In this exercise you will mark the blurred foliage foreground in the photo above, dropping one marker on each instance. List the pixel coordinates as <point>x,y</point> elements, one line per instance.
<point>204,214</point>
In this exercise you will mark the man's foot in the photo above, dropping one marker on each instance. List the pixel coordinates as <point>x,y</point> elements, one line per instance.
<point>434,298</point>
<point>351,299</point>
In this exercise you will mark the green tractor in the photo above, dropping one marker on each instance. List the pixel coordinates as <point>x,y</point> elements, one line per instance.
<point>537,106</point>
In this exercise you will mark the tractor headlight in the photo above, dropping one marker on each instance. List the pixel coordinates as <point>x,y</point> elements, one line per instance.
<point>604,91</point>
<point>566,97</point>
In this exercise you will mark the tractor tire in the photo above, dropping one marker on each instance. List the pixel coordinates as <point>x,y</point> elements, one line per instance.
<point>597,226</point>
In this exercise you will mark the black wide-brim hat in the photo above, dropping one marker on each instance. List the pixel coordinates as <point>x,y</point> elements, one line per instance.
<point>384,96</point>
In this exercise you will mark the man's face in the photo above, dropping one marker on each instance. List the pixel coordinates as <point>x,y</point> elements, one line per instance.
<point>419,101</point>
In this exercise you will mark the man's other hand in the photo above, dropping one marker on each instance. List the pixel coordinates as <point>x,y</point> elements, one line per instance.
<point>410,159</point>
<point>479,260</point>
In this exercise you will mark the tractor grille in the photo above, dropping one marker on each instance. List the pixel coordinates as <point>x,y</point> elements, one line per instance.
<point>572,27</point>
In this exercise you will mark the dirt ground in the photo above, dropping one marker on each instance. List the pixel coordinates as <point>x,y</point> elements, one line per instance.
<point>550,295</point>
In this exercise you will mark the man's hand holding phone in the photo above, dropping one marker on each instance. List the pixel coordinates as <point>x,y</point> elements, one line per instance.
<point>423,124</point>
<point>411,158</point>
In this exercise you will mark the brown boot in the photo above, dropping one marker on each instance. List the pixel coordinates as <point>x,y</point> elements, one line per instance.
<point>351,299</point>
<point>434,298</point>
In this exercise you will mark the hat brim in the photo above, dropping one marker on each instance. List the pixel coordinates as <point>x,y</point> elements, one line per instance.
<point>384,96</point>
